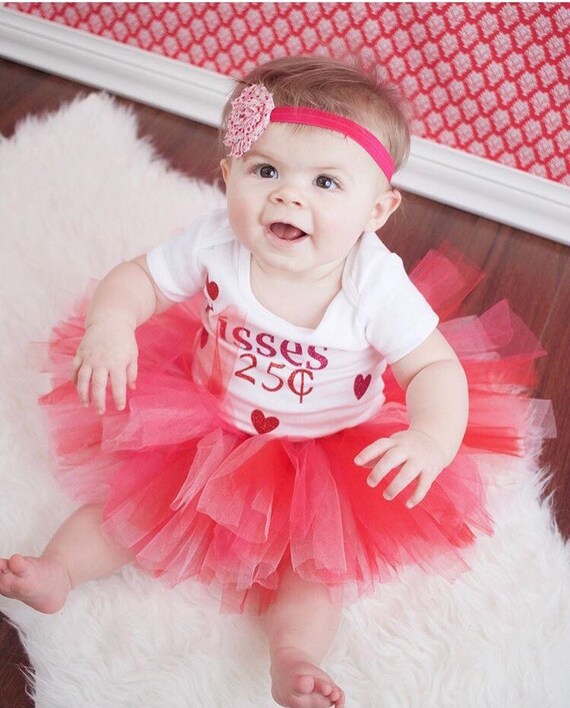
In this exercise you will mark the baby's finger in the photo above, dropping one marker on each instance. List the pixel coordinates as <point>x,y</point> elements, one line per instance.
<point>404,477</point>
<point>422,488</point>
<point>75,366</point>
<point>83,380</point>
<point>132,373</point>
<point>99,389</point>
<point>373,451</point>
<point>393,458</point>
<point>119,388</point>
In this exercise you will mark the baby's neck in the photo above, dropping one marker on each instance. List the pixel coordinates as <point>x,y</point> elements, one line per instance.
<point>301,299</point>
<point>329,272</point>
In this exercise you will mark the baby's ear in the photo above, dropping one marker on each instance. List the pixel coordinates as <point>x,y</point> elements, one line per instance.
<point>225,167</point>
<point>385,205</point>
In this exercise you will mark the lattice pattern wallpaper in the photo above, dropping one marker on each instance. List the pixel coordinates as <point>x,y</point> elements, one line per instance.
<point>488,79</point>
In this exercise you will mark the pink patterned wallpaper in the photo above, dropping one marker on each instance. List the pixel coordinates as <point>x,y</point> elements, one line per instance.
<point>488,79</point>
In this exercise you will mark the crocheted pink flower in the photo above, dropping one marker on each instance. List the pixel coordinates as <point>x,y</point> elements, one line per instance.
<point>248,119</point>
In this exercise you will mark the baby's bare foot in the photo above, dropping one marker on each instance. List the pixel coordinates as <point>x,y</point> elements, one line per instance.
<point>298,683</point>
<point>42,583</point>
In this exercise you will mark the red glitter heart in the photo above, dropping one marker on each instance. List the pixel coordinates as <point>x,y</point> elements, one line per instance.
<point>262,423</point>
<point>361,384</point>
<point>212,288</point>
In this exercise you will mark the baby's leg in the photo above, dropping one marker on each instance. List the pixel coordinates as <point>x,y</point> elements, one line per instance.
<point>301,625</point>
<point>80,550</point>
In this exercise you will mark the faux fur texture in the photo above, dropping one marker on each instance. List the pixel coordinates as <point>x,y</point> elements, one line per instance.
<point>79,192</point>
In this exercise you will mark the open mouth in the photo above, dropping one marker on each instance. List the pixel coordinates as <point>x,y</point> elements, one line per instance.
<point>286,232</point>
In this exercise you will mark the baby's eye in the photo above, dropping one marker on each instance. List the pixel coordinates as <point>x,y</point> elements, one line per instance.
<point>325,182</point>
<point>265,171</point>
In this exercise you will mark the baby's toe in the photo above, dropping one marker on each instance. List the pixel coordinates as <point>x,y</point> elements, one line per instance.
<point>334,694</point>
<point>323,686</point>
<point>304,684</point>
<point>19,565</point>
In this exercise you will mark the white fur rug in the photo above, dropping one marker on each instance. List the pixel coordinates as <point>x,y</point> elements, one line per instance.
<point>79,192</point>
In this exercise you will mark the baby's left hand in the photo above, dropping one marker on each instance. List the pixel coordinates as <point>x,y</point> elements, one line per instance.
<point>419,455</point>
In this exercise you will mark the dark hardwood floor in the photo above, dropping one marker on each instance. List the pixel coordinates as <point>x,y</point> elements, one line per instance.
<point>533,273</point>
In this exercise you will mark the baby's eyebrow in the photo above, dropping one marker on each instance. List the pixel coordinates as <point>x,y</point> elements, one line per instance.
<point>328,168</point>
<point>255,155</point>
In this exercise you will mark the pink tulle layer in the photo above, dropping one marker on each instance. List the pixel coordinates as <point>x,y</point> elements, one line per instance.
<point>194,497</point>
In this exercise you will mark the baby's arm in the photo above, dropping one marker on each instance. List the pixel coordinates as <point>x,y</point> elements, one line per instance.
<point>437,403</point>
<point>125,298</point>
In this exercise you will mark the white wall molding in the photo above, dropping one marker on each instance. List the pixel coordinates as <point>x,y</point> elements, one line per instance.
<point>488,189</point>
<point>443,174</point>
<point>118,68</point>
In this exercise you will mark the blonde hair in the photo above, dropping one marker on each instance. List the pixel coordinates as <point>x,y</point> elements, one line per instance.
<point>320,82</point>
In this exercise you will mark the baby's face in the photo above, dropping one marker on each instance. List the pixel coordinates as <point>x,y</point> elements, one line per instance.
<point>301,198</point>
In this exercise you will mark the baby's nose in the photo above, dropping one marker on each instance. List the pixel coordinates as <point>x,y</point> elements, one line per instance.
<point>288,196</point>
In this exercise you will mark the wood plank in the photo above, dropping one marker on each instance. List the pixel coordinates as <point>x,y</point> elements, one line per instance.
<point>555,377</point>
<point>13,664</point>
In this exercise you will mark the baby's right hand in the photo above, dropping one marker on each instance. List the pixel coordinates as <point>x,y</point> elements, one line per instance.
<point>108,350</point>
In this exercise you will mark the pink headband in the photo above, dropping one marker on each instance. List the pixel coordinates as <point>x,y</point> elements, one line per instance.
<point>254,109</point>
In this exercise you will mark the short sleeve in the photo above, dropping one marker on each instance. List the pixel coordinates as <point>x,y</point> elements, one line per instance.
<point>397,317</point>
<point>174,263</point>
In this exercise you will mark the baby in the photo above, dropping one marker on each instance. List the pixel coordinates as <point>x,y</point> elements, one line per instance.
<point>260,449</point>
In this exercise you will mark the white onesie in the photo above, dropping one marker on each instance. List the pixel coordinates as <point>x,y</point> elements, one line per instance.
<point>288,380</point>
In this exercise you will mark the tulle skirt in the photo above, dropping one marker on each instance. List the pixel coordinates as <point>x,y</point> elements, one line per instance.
<point>193,497</point>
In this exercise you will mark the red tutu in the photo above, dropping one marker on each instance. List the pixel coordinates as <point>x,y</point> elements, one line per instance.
<point>194,497</point>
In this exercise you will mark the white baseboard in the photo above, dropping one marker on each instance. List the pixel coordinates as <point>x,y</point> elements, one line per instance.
<point>118,68</point>
<point>538,206</point>
<point>440,173</point>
